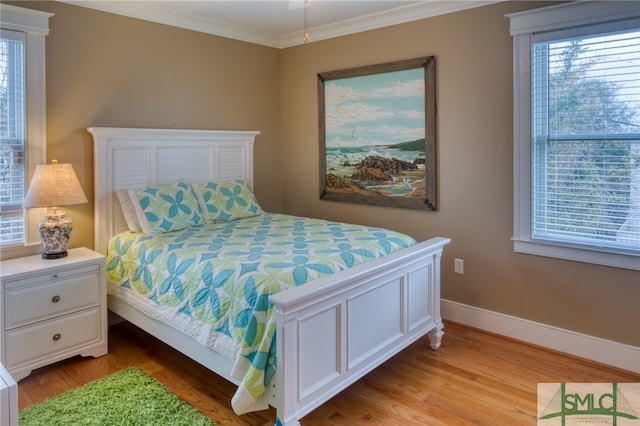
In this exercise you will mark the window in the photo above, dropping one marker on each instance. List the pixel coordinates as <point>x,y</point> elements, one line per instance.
<point>12,132</point>
<point>22,116</point>
<point>577,132</point>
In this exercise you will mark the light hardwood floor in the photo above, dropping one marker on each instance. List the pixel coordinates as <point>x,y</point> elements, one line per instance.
<point>475,378</point>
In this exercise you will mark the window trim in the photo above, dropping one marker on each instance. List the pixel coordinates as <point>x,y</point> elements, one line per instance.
<point>35,24</point>
<point>522,27</point>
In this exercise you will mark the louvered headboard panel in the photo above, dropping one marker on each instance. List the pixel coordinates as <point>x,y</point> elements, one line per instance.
<point>130,158</point>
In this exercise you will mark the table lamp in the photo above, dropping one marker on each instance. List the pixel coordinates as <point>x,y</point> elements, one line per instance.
<point>54,185</point>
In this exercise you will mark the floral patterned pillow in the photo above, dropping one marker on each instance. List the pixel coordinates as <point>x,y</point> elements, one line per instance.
<point>166,208</point>
<point>224,201</point>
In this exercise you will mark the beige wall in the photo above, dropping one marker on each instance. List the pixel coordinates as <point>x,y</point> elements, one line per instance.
<point>105,70</point>
<point>473,51</point>
<point>113,71</point>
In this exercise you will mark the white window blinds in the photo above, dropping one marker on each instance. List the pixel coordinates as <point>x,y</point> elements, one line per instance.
<point>12,135</point>
<point>585,125</point>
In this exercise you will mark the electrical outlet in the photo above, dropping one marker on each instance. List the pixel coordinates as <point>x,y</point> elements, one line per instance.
<point>458,266</point>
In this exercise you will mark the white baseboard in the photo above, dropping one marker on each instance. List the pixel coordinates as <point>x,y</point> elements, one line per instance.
<point>594,348</point>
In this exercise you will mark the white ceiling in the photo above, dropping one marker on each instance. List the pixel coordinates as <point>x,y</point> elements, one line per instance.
<point>280,23</point>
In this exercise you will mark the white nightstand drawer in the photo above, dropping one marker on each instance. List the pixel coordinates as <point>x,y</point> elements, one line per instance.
<point>52,337</point>
<point>38,277</point>
<point>59,295</point>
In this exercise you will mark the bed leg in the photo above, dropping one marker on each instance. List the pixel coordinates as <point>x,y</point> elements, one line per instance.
<point>435,337</point>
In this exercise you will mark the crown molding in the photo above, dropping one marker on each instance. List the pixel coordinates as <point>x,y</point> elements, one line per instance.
<point>164,15</point>
<point>400,15</point>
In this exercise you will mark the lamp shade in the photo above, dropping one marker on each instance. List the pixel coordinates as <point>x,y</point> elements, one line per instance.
<point>54,185</point>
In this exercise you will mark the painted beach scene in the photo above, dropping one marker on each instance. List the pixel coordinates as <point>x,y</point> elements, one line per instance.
<point>375,134</point>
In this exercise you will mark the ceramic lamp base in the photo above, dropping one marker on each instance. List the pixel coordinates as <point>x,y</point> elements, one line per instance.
<point>55,234</point>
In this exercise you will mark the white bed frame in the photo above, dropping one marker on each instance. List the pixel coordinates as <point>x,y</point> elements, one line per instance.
<point>330,332</point>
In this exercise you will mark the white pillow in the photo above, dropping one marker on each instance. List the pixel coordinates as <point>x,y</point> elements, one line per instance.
<point>128,211</point>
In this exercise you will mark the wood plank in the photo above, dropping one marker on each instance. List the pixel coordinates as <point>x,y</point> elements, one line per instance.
<point>475,378</point>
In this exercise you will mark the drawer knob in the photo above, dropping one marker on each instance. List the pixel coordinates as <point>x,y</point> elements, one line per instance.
<point>54,276</point>
<point>57,337</point>
<point>55,299</point>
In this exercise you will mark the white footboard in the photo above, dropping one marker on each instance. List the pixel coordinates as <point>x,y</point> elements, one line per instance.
<point>332,332</point>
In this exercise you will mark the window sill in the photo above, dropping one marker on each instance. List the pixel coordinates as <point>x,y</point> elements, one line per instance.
<point>577,254</point>
<point>13,251</point>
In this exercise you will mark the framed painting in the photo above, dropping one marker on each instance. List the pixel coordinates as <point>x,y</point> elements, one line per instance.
<point>378,135</point>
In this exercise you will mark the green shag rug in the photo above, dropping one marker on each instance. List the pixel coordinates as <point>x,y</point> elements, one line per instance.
<point>128,397</point>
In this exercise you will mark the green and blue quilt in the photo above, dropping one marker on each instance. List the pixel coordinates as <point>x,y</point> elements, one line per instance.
<point>213,281</point>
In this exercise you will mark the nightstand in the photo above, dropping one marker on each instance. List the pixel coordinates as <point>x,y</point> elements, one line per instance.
<point>52,310</point>
<point>8,399</point>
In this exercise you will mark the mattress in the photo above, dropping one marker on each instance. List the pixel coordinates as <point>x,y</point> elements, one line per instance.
<point>213,281</point>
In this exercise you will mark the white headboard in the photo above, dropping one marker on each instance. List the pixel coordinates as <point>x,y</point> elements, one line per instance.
<point>130,158</point>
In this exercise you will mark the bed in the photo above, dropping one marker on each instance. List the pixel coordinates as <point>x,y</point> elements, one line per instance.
<point>327,333</point>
